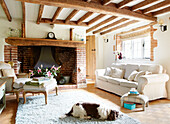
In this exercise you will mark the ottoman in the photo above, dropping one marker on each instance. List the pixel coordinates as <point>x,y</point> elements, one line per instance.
<point>141,99</point>
<point>45,88</point>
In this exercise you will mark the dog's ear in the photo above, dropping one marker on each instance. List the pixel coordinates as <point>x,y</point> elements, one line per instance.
<point>112,115</point>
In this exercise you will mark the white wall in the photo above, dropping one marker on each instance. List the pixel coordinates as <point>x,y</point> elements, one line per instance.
<point>34,30</point>
<point>4,26</point>
<point>162,52</point>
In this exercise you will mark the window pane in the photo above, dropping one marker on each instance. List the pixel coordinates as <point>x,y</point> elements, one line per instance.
<point>147,48</point>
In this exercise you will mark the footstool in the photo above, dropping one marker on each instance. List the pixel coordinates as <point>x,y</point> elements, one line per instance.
<point>142,99</point>
<point>48,85</point>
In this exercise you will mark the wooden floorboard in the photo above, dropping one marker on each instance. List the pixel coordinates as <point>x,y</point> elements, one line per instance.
<point>158,111</point>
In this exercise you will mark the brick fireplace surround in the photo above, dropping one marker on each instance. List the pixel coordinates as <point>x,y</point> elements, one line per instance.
<point>72,60</point>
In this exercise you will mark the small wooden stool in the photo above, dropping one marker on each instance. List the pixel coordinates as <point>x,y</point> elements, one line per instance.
<point>141,99</point>
<point>48,85</point>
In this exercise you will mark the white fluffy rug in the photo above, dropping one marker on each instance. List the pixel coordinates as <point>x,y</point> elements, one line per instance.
<point>36,112</point>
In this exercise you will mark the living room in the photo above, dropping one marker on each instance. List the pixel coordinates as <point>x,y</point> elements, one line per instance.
<point>56,53</point>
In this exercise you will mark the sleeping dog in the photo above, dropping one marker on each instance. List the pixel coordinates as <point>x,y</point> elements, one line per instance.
<point>93,110</point>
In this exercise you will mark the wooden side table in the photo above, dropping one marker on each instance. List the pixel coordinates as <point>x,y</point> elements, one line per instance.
<point>2,96</point>
<point>141,99</point>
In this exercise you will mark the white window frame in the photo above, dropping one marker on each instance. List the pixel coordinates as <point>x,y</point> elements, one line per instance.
<point>143,40</point>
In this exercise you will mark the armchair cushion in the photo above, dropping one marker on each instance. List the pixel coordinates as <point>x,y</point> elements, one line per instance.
<point>9,73</point>
<point>154,68</point>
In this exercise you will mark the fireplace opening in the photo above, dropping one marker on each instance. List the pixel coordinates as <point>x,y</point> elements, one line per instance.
<point>33,56</point>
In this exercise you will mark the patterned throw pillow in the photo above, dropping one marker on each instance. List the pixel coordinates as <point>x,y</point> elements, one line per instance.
<point>132,75</point>
<point>139,75</point>
<point>108,71</point>
<point>117,73</point>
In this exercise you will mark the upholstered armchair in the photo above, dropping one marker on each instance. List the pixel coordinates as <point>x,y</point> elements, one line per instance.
<point>13,82</point>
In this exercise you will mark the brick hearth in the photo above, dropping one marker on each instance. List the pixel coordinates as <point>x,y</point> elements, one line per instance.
<point>72,60</point>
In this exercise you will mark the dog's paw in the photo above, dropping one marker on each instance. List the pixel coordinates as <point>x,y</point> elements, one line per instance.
<point>62,117</point>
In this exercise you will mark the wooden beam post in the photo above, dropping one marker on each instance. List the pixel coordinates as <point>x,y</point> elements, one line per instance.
<point>72,14</point>
<point>161,11</point>
<point>110,25</point>
<point>142,4</point>
<point>101,23</point>
<point>118,27</point>
<point>88,14</point>
<point>106,2</point>
<point>41,8</point>
<point>59,9</point>
<point>123,3</point>
<point>23,17</point>
<point>62,22</point>
<point>5,8</point>
<point>96,19</point>
<point>159,5</point>
<point>138,28</point>
<point>71,34</point>
<point>93,7</point>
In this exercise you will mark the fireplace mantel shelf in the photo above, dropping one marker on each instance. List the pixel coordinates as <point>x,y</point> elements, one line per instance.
<point>15,41</point>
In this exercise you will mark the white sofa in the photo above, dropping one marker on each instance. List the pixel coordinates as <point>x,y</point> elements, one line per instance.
<point>153,86</point>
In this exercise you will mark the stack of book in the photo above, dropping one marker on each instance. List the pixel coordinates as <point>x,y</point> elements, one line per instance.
<point>133,92</point>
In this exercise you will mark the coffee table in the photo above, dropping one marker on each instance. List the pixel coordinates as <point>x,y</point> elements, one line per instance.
<point>141,99</point>
<point>48,85</point>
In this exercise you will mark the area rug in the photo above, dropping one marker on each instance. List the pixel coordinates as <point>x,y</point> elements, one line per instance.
<point>36,112</point>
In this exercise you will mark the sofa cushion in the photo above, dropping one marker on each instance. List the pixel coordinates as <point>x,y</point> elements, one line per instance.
<point>139,74</point>
<point>103,78</point>
<point>129,68</point>
<point>132,75</point>
<point>107,71</point>
<point>155,69</point>
<point>117,73</point>
<point>19,83</point>
<point>129,84</point>
<point>116,80</point>
<point>9,73</point>
<point>5,65</point>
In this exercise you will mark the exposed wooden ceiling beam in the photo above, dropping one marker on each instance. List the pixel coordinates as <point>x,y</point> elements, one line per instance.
<point>72,14</point>
<point>106,2</point>
<point>96,19</point>
<point>93,7</point>
<point>5,8</point>
<point>138,28</point>
<point>57,12</point>
<point>101,23</point>
<point>159,5</point>
<point>110,25</point>
<point>88,14</point>
<point>118,27</point>
<point>87,1</point>
<point>142,4</point>
<point>123,3</point>
<point>41,8</point>
<point>62,22</point>
<point>161,11</point>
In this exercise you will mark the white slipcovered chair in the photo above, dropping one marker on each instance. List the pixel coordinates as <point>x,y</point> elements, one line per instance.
<point>13,85</point>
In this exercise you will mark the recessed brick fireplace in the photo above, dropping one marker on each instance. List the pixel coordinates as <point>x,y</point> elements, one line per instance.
<point>72,60</point>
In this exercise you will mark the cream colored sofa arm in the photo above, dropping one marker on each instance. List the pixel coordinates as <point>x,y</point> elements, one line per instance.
<point>100,72</point>
<point>151,80</point>
<point>9,83</point>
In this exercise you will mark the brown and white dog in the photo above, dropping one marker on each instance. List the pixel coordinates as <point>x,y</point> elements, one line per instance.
<point>93,110</point>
